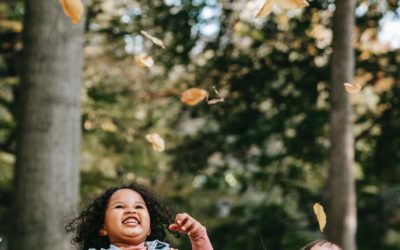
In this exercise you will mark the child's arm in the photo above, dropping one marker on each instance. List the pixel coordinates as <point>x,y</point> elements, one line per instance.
<point>197,233</point>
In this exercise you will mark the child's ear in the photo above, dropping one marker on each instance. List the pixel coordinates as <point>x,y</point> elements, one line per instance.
<point>103,232</point>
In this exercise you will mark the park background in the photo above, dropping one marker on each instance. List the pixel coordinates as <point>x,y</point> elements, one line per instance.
<point>251,167</point>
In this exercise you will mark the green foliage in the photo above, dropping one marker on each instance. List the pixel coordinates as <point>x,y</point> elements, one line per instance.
<point>267,139</point>
<point>11,13</point>
<point>251,167</point>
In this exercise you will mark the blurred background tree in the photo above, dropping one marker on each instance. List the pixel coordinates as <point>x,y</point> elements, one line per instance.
<point>342,208</point>
<point>251,167</point>
<point>48,115</point>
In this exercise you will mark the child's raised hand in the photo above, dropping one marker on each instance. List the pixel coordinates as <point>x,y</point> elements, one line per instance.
<point>184,223</point>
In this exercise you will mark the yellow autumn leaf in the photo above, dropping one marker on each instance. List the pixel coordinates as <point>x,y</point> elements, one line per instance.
<point>155,40</point>
<point>144,61</point>
<point>73,9</point>
<point>193,96</point>
<point>321,216</point>
<point>265,9</point>
<point>292,4</point>
<point>157,142</point>
<point>352,88</point>
<point>286,4</point>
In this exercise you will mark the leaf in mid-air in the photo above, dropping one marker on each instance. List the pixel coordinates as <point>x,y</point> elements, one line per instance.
<point>73,9</point>
<point>292,4</point>
<point>352,88</point>
<point>155,40</point>
<point>265,9</point>
<point>144,61</point>
<point>321,216</point>
<point>286,4</point>
<point>193,96</point>
<point>216,100</point>
<point>157,142</point>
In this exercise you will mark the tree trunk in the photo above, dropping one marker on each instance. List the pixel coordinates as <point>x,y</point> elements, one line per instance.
<point>46,186</point>
<point>342,212</point>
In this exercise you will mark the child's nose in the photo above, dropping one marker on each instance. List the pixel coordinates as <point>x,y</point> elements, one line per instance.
<point>130,210</point>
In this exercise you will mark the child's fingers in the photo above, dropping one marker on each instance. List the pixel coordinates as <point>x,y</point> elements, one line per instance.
<point>174,227</point>
<point>194,230</point>
<point>184,223</point>
<point>181,218</point>
<point>188,225</point>
<point>177,228</point>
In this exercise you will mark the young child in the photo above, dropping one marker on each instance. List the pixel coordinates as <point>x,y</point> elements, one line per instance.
<point>131,218</point>
<point>321,245</point>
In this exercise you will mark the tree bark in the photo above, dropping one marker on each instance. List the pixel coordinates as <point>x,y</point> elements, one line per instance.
<point>46,186</point>
<point>342,212</point>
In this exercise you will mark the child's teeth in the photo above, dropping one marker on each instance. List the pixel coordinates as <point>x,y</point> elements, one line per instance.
<point>130,221</point>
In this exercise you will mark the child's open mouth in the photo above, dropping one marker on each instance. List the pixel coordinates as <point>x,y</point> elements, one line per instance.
<point>131,221</point>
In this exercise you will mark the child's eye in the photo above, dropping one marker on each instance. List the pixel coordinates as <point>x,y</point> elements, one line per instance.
<point>119,206</point>
<point>139,207</point>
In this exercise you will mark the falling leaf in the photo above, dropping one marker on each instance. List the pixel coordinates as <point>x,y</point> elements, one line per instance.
<point>157,142</point>
<point>73,9</point>
<point>153,39</point>
<point>321,217</point>
<point>352,88</point>
<point>291,4</point>
<point>144,61</point>
<point>265,9</point>
<point>216,100</point>
<point>286,4</point>
<point>193,96</point>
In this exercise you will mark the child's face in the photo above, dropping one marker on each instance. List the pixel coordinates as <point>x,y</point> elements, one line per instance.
<point>127,220</point>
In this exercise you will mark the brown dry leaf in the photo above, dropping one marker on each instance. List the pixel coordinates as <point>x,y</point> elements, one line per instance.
<point>157,142</point>
<point>193,96</point>
<point>144,61</point>
<point>155,40</point>
<point>292,4</point>
<point>73,9</point>
<point>265,9</point>
<point>216,100</point>
<point>352,88</point>
<point>321,216</point>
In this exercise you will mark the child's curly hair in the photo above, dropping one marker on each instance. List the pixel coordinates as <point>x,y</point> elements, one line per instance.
<point>88,224</point>
<point>320,243</point>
